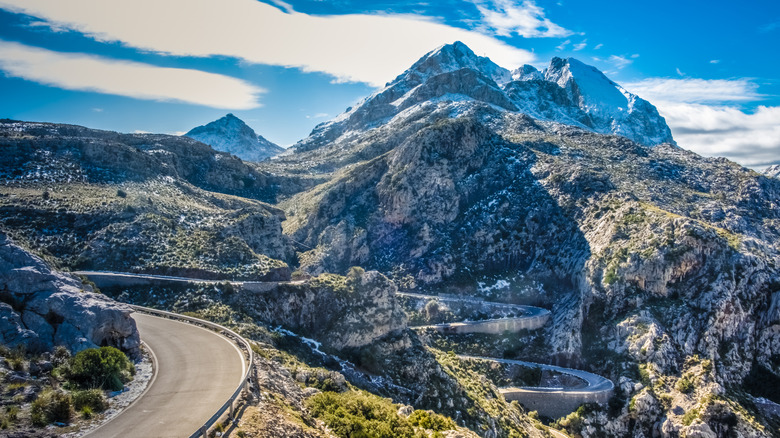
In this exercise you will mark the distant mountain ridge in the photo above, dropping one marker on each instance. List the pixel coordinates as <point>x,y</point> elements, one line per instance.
<point>568,92</point>
<point>230,134</point>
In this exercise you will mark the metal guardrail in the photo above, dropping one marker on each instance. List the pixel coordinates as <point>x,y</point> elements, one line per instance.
<point>230,404</point>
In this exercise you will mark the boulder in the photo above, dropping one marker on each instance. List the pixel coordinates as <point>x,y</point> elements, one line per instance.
<point>41,308</point>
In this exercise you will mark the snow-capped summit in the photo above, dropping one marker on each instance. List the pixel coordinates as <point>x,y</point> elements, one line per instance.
<point>230,134</point>
<point>452,57</point>
<point>527,73</point>
<point>567,92</point>
<point>574,93</point>
<point>773,171</point>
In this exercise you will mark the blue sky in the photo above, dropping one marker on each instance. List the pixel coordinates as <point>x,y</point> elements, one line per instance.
<point>167,66</point>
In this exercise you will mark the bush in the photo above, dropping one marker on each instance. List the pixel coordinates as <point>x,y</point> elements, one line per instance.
<point>685,385</point>
<point>104,367</point>
<point>90,398</point>
<point>356,414</point>
<point>431,421</point>
<point>51,406</point>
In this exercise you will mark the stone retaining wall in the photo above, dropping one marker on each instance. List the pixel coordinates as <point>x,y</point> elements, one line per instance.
<point>554,404</point>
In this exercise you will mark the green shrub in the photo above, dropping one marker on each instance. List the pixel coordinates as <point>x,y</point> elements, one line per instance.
<point>431,421</point>
<point>51,406</point>
<point>86,412</point>
<point>356,414</point>
<point>90,398</point>
<point>684,385</point>
<point>104,367</point>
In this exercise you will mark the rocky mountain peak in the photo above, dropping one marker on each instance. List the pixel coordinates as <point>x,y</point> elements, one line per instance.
<point>574,93</point>
<point>773,171</point>
<point>230,134</point>
<point>452,57</point>
<point>526,73</point>
<point>568,92</point>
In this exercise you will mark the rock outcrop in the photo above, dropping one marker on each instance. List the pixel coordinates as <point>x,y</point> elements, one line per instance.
<point>341,312</point>
<point>41,308</point>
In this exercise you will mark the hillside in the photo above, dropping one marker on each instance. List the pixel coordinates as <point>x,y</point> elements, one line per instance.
<point>144,203</point>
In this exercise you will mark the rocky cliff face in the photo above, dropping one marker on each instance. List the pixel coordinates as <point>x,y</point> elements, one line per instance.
<point>41,308</point>
<point>230,134</point>
<point>341,312</point>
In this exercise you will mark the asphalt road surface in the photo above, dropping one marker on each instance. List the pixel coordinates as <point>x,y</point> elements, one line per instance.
<point>198,370</point>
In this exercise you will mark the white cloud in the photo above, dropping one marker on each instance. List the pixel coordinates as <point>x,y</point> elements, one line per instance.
<point>703,118</point>
<point>619,61</point>
<point>695,90</point>
<point>563,45</point>
<point>580,46</point>
<point>751,139</point>
<point>357,47</point>
<point>715,61</point>
<point>317,116</point>
<point>76,71</point>
<point>598,46</point>
<point>524,18</point>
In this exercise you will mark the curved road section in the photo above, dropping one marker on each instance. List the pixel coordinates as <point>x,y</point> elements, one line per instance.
<point>194,377</point>
<point>552,402</point>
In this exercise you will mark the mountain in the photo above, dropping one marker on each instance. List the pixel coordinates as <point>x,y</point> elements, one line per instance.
<point>568,92</point>
<point>230,134</point>
<point>574,93</point>
<point>660,266</point>
<point>773,171</point>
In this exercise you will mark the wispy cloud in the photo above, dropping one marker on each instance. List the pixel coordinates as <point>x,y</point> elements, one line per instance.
<point>598,46</point>
<point>317,116</point>
<point>563,45</point>
<point>524,18</point>
<point>713,91</point>
<point>704,117</point>
<point>579,46</point>
<point>769,27</point>
<point>77,71</point>
<point>619,61</point>
<point>357,47</point>
<point>715,61</point>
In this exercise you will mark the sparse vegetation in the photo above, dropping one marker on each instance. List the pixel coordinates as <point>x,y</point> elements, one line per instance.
<point>52,406</point>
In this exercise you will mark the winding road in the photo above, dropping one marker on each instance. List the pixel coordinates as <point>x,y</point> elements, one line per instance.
<point>192,380</point>
<point>553,402</point>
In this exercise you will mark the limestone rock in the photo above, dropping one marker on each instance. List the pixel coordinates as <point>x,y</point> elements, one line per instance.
<point>42,308</point>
